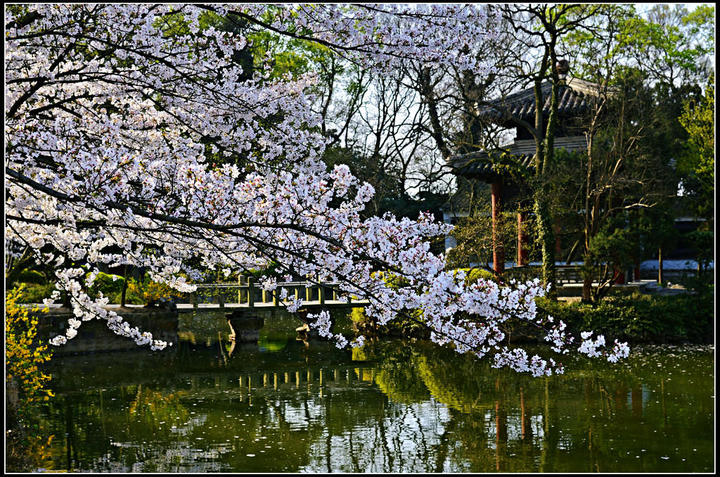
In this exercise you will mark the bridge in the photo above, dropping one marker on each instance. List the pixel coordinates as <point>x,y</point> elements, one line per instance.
<point>251,296</point>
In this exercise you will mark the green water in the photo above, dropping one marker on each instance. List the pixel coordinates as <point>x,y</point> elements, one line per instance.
<point>284,406</point>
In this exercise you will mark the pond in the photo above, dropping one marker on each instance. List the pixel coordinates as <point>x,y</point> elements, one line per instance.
<point>283,405</point>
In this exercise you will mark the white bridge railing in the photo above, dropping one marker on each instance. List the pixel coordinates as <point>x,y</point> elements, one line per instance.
<point>251,294</point>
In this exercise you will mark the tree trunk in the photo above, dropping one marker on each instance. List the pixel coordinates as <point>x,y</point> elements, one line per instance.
<point>587,275</point>
<point>547,242</point>
<point>522,253</point>
<point>660,266</point>
<point>124,287</point>
<point>498,249</point>
<point>587,289</point>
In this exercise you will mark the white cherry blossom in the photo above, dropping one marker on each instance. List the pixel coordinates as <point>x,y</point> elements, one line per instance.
<point>128,145</point>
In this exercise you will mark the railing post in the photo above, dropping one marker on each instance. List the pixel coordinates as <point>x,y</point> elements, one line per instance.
<point>307,293</point>
<point>221,298</point>
<point>321,293</point>
<point>193,299</point>
<point>239,289</point>
<point>276,301</point>
<point>251,297</point>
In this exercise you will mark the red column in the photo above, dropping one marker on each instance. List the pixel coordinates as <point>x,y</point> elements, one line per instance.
<point>522,253</point>
<point>619,276</point>
<point>498,252</point>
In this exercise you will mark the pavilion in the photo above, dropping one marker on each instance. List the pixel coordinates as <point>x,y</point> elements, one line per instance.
<point>503,168</point>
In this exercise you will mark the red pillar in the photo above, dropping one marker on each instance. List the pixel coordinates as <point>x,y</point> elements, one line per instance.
<point>522,253</point>
<point>498,252</point>
<point>619,276</point>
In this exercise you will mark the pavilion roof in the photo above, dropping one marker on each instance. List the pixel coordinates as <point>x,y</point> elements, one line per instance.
<point>575,95</point>
<point>493,165</point>
<point>488,165</point>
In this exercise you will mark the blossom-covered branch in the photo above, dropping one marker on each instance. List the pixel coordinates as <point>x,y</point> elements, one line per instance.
<point>133,136</point>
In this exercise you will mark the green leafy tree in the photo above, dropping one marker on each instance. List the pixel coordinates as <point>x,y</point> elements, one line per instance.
<point>697,164</point>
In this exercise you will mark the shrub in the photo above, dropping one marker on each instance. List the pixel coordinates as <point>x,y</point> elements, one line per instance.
<point>148,291</point>
<point>32,276</point>
<point>23,353</point>
<point>475,274</point>
<point>26,447</point>
<point>34,293</point>
<point>110,286</point>
<point>400,326</point>
<point>639,318</point>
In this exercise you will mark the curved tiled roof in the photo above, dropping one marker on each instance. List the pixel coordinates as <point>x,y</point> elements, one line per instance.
<point>575,97</point>
<point>483,165</point>
<point>489,165</point>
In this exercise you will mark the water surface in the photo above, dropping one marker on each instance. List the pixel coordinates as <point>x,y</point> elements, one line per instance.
<point>287,406</point>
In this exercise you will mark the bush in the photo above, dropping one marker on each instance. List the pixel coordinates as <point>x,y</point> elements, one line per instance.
<point>110,286</point>
<point>400,326</point>
<point>640,318</point>
<point>35,293</point>
<point>148,291</point>
<point>392,280</point>
<point>26,386</point>
<point>475,274</point>
<point>32,276</point>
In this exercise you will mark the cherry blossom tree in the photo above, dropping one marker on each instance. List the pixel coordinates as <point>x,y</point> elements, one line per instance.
<point>133,136</point>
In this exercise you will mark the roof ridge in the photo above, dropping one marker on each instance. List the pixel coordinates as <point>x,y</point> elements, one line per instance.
<point>573,83</point>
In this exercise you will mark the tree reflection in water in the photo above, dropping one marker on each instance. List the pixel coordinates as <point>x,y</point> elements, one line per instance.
<point>389,407</point>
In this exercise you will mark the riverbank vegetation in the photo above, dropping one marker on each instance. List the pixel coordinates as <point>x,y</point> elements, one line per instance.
<point>638,318</point>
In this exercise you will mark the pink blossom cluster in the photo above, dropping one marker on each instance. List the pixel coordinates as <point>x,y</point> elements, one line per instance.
<point>127,145</point>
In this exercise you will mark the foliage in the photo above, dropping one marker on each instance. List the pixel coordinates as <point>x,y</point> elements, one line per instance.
<point>410,326</point>
<point>669,42</point>
<point>24,356</point>
<point>640,318</point>
<point>35,293</point>
<point>475,274</point>
<point>703,242</point>
<point>613,244</point>
<point>139,292</point>
<point>26,384</point>
<point>702,284</point>
<point>698,163</point>
<point>32,276</point>
<point>109,285</point>
<point>149,291</point>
